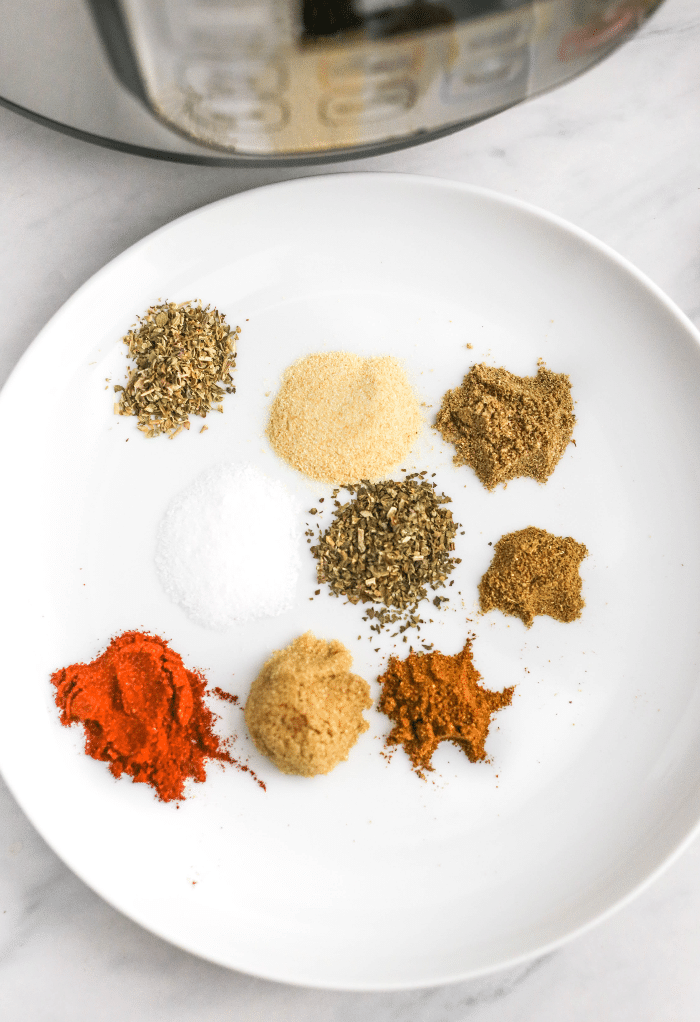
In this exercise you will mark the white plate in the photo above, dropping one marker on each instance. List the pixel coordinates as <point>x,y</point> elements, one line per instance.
<point>370,878</point>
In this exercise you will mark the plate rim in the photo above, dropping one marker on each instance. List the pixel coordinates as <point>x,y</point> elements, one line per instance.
<point>371,179</point>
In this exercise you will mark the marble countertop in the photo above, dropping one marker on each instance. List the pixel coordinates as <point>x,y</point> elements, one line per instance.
<point>616,152</point>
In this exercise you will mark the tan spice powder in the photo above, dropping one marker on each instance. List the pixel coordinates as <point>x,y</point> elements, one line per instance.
<point>340,418</point>
<point>534,572</point>
<point>433,698</point>
<point>505,426</point>
<point>304,710</point>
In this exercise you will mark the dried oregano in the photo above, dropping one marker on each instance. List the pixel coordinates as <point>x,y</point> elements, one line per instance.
<point>184,355</point>
<point>386,545</point>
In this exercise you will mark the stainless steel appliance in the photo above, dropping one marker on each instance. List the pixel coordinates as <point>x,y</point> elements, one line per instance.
<point>264,81</point>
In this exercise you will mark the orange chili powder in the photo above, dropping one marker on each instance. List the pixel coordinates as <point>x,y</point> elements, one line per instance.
<point>143,713</point>
<point>433,698</point>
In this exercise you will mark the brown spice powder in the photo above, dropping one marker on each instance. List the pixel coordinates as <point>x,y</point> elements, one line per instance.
<point>304,710</point>
<point>505,426</point>
<point>434,698</point>
<point>340,418</point>
<point>534,572</point>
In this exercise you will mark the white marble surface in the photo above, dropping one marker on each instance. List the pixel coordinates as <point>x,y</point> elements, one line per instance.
<point>618,153</point>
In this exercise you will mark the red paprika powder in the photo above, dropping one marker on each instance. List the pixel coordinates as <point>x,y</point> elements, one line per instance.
<point>143,713</point>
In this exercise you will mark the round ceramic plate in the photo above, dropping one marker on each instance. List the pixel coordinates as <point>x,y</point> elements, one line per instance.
<point>370,877</point>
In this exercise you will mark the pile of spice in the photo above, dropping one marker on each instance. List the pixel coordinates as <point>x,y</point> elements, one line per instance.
<point>143,713</point>
<point>505,426</point>
<point>340,418</point>
<point>227,549</point>
<point>184,355</point>
<point>534,572</point>
<point>433,698</point>
<point>386,545</point>
<point>304,711</point>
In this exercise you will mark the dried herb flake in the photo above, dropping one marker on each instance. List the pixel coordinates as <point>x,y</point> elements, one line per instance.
<point>184,354</point>
<point>386,545</point>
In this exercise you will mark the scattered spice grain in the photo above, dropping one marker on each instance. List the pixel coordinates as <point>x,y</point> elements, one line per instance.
<point>534,572</point>
<point>304,710</point>
<point>339,418</point>
<point>228,697</point>
<point>184,355</point>
<point>505,426</point>
<point>434,698</point>
<point>386,545</point>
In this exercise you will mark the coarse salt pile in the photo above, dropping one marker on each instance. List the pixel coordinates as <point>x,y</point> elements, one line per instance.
<point>227,549</point>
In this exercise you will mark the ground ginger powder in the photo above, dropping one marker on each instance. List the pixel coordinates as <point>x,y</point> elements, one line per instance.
<point>304,710</point>
<point>534,572</point>
<point>433,698</point>
<point>505,426</point>
<point>340,418</point>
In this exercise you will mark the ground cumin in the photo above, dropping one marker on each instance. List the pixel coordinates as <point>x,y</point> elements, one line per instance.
<point>433,698</point>
<point>304,711</point>
<point>534,572</point>
<point>505,426</point>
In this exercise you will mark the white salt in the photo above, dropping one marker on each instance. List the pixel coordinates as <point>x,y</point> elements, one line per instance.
<point>227,548</point>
